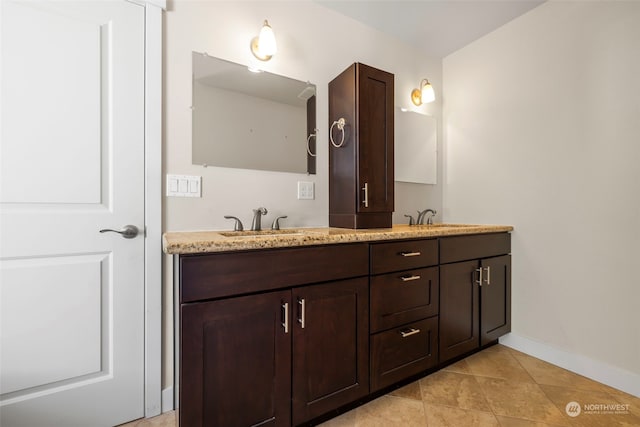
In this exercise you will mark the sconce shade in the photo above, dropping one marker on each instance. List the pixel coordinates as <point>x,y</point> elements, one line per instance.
<point>264,46</point>
<point>424,94</point>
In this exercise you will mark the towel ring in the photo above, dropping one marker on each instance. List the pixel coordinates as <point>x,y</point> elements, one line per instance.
<point>340,123</point>
<point>308,141</point>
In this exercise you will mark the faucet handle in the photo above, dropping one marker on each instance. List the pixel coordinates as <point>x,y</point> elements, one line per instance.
<point>410,219</point>
<point>276,222</point>
<point>237,226</point>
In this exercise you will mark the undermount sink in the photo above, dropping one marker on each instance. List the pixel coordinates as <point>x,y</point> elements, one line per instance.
<point>262,233</point>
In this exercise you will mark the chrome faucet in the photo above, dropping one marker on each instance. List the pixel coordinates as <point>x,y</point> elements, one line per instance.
<point>421,215</point>
<point>256,225</point>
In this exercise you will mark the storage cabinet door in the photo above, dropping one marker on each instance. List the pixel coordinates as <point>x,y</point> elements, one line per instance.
<point>375,143</point>
<point>495,298</point>
<point>331,346</point>
<point>459,317</point>
<point>235,364</point>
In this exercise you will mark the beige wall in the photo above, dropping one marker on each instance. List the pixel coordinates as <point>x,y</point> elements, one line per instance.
<point>542,122</point>
<point>315,44</point>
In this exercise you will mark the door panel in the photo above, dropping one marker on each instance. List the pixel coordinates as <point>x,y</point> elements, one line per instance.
<point>331,352</point>
<point>375,162</point>
<point>459,326</point>
<point>235,366</point>
<point>72,163</point>
<point>495,299</point>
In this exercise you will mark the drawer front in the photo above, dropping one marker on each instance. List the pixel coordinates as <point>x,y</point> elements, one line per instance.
<point>405,255</point>
<point>226,274</point>
<point>403,297</point>
<point>399,353</point>
<point>462,248</point>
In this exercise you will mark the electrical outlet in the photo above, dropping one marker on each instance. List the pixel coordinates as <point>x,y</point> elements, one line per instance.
<point>306,190</point>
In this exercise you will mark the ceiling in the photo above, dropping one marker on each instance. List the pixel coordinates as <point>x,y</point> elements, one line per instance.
<point>436,27</point>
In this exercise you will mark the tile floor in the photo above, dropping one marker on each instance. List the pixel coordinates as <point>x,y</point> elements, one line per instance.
<point>497,387</point>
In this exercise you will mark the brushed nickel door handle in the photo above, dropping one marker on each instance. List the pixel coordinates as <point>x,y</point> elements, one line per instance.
<point>410,278</point>
<point>128,231</point>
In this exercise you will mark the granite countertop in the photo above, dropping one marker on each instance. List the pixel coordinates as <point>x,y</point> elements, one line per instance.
<point>194,242</point>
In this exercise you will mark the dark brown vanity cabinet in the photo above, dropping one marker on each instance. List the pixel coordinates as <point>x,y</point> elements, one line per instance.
<point>330,347</point>
<point>235,362</point>
<point>276,358</point>
<point>361,178</point>
<point>475,292</point>
<point>404,310</point>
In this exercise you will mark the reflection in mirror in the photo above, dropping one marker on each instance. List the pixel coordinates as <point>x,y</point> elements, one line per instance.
<point>415,147</point>
<point>251,120</point>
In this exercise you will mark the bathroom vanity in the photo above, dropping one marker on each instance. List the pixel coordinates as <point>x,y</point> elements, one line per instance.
<point>283,328</point>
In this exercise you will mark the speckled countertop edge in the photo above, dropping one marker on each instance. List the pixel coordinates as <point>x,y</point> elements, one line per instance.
<point>195,242</point>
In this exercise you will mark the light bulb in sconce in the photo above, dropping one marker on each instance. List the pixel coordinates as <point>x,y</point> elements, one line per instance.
<point>264,46</point>
<point>424,94</point>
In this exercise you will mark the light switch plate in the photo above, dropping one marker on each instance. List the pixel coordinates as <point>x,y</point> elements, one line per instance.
<point>184,186</point>
<point>306,190</point>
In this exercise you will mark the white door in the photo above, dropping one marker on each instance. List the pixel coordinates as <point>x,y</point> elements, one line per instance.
<point>71,163</point>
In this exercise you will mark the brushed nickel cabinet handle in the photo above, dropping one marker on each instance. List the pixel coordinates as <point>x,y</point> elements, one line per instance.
<point>409,332</point>
<point>410,278</point>
<point>301,319</point>
<point>285,324</point>
<point>366,194</point>
<point>408,254</point>
<point>479,281</point>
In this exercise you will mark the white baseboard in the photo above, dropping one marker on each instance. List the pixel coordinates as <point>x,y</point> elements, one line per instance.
<point>167,400</point>
<point>612,376</point>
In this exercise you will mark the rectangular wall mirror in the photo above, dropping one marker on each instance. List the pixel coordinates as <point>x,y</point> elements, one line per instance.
<point>415,147</point>
<point>251,120</point>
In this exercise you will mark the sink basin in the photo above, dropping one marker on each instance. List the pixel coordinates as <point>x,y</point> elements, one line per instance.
<point>262,233</point>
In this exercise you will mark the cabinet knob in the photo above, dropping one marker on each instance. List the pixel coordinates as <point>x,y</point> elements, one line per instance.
<point>410,278</point>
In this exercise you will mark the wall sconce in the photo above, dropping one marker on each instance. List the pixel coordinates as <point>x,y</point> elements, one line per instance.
<point>424,94</point>
<point>264,46</point>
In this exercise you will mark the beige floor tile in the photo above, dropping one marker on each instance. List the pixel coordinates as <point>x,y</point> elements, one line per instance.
<point>447,416</point>
<point>497,364</point>
<point>168,419</point>
<point>520,400</point>
<point>410,391</point>
<point>519,422</point>
<point>453,389</point>
<point>546,373</point>
<point>348,419</point>
<point>390,411</point>
<point>561,396</point>
<point>460,367</point>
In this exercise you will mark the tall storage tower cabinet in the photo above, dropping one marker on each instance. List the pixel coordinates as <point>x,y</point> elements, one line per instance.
<point>361,148</point>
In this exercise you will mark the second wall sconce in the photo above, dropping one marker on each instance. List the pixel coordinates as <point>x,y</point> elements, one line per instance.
<point>264,45</point>
<point>424,94</point>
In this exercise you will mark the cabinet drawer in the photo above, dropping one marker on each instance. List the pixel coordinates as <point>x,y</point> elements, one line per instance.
<point>403,297</point>
<point>405,255</point>
<point>407,350</point>
<point>219,275</point>
<point>462,248</point>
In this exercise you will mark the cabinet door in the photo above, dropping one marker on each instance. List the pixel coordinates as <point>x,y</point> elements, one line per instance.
<point>495,298</point>
<point>235,364</point>
<point>375,143</point>
<point>459,318</point>
<point>330,346</point>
